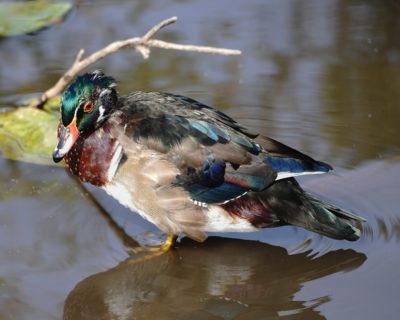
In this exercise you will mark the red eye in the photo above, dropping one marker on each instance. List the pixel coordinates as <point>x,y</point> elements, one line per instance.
<point>88,106</point>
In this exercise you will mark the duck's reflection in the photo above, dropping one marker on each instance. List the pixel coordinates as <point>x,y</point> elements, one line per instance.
<point>219,279</point>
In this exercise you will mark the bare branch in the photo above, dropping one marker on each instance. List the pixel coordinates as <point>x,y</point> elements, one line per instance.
<point>188,47</point>
<point>140,44</point>
<point>158,27</point>
<point>79,56</point>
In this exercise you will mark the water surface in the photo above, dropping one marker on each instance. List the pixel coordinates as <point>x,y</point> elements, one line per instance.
<point>321,76</point>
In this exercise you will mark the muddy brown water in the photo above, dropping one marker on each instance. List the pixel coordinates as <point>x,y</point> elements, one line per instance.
<point>321,76</point>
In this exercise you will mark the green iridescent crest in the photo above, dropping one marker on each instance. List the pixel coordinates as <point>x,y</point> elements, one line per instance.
<point>83,98</point>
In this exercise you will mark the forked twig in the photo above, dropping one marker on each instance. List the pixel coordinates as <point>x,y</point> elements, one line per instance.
<point>141,44</point>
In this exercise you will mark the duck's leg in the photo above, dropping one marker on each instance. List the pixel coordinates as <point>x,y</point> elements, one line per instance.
<point>146,253</point>
<point>163,247</point>
<point>168,243</point>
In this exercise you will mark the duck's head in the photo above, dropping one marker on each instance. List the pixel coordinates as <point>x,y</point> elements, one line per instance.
<point>85,105</point>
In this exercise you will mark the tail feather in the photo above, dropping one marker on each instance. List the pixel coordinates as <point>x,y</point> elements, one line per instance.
<point>333,222</point>
<point>337,211</point>
<point>301,209</point>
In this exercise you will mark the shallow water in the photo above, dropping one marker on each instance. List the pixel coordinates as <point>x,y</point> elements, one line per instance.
<point>321,76</point>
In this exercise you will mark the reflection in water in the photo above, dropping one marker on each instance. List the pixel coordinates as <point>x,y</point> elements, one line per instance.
<point>219,279</point>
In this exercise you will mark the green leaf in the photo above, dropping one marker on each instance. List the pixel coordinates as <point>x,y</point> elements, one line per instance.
<point>29,134</point>
<point>25,17</point>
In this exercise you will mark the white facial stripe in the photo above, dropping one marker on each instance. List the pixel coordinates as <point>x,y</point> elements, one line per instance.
<point>101,116</point>
<point>76,110</point>
<point>105,91</point>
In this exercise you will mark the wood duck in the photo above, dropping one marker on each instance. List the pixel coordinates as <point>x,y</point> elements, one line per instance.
<point>186,167</point>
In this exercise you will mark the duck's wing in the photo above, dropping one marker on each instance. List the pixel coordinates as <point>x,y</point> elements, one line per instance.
<point>288,162</point>
<point>214,158</point>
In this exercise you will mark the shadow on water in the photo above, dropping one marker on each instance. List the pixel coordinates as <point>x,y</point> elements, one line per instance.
<point>219,279</point>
